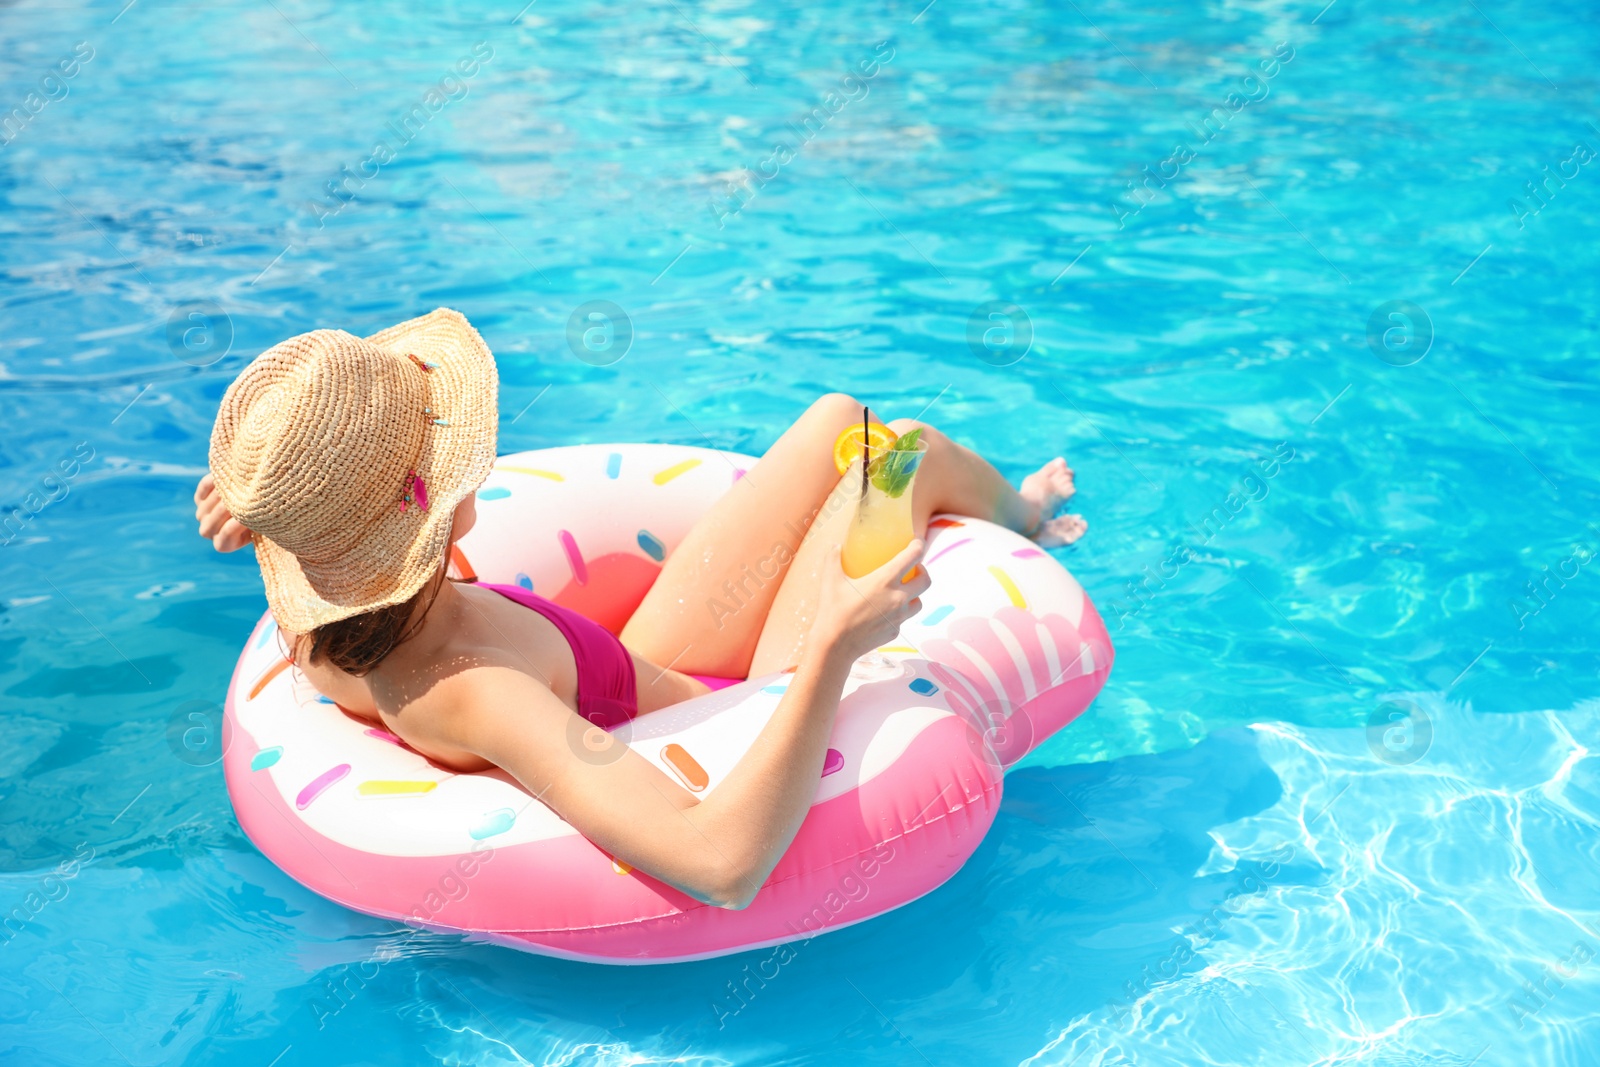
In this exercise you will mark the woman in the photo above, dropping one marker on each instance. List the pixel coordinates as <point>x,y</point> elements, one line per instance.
<point>352,464</point>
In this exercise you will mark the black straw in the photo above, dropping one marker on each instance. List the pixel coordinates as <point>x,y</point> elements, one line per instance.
<point>866,450</point>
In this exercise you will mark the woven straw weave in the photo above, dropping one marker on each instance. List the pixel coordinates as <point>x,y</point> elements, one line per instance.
<point>311,450</point>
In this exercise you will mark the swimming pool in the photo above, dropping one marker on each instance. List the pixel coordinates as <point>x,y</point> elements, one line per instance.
<point>1304,303</point>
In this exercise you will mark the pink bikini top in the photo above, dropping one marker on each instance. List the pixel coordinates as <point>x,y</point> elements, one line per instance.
<point>607,690</point>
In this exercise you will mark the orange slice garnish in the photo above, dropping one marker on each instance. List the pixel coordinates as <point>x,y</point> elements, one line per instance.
<point>847,446</point>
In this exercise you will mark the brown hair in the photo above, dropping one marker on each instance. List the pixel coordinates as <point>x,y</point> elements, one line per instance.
<point>358,643</point>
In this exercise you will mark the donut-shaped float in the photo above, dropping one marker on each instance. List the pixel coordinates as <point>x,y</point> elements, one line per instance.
<point>1006,651</point>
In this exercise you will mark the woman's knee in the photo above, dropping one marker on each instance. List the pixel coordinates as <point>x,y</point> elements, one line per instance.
<point>834,409</point>
<point>905,426</point>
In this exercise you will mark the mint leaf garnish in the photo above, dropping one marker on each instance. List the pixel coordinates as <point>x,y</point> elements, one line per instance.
<point>892,471</point>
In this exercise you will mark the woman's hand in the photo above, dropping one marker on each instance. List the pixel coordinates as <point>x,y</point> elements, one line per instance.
<point>857,615</point>
<point>216,522</point>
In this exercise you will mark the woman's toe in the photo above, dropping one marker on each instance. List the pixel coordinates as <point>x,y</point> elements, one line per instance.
<point>1061,530</point>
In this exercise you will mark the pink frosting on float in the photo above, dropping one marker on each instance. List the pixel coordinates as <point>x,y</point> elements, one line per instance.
<point>1029,704</point>
<point>926,826</point>
<point>714,682</point>
<point>584,909</point>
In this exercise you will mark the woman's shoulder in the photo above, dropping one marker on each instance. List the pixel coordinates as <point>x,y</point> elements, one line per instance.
<point>433,706</point>
<point>453,713</point>
<point>455,685</point>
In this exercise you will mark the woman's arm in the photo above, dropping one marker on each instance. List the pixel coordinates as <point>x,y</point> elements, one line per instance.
<point>719,849</point>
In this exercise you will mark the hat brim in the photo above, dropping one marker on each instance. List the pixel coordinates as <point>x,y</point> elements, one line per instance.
<point>398,557</point>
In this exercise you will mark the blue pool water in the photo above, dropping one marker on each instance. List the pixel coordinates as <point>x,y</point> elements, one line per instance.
<point>1214,865</point>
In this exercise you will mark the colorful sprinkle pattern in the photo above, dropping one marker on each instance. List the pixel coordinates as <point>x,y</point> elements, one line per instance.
<point>319,785</point>
<point>493,823</point>
<point>686,767</point>
<point>266,632</point>
<point>662,477</point>
<point>949,548</point>
<point>266,676</point>
<point>652,546</point>
<point>569,545</point>
<point>464,569</point>
<point>392,787</point>
<point>266,758</point>
<point>1017,599</point>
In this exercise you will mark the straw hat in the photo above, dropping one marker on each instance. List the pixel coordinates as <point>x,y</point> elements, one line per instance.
<point>345,458</point>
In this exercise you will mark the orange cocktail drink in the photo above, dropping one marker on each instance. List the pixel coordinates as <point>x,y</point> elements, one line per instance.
<point>882,470</point>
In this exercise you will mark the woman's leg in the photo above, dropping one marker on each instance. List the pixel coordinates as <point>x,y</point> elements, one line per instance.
<point>952,478</point>
<point>706,610</point>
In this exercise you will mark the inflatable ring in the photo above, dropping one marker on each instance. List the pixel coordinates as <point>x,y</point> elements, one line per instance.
<point>1006,651</point>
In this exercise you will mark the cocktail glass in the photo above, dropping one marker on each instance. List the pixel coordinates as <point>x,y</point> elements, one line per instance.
<point>882,526</point>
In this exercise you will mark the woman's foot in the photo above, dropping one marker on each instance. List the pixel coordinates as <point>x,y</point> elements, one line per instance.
<point>1044,491</point>
<point>1061,530</point>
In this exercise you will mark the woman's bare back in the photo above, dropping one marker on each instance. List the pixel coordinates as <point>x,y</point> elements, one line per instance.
<point>466,631</point>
